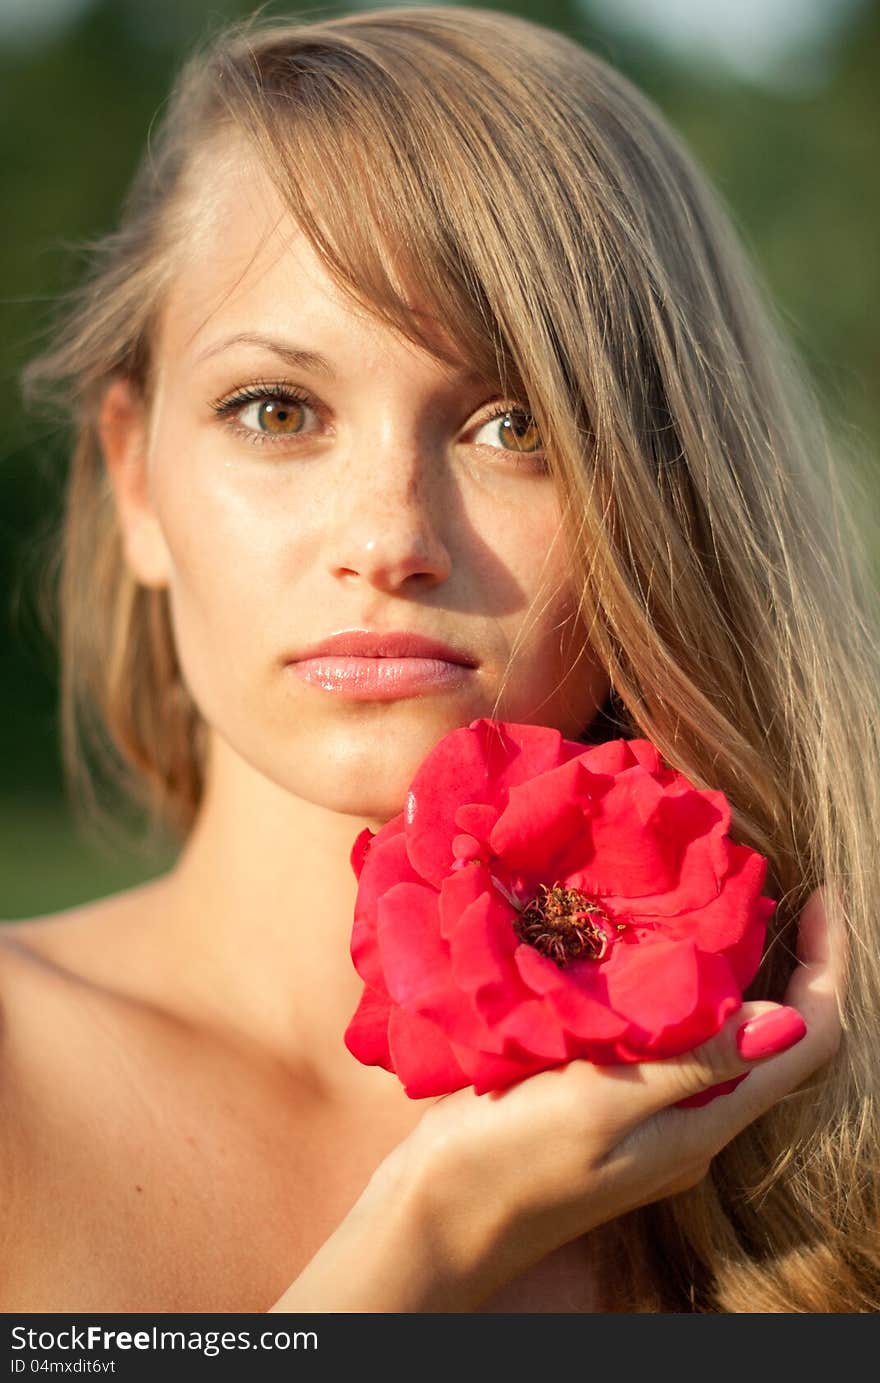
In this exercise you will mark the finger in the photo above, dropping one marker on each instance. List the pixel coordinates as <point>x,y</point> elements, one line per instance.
<point>821,946</point>
<point>819,973</point>
<point>815,990</point>
<point>632,1094</point>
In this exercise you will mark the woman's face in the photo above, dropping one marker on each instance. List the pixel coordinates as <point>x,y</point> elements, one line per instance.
<point>376,493</point>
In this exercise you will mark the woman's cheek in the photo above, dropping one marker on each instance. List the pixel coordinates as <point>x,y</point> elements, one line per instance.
<point>213,591</point>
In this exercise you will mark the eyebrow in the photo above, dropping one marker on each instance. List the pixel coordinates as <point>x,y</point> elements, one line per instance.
<point>295,356</point>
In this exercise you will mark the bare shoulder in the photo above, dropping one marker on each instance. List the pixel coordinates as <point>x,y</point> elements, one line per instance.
<point>43,964</point>
<point>55,971</point>
<point>33,940</point>
<point>35,950</point>
<point>77,943</point>
<point>67,1037</point>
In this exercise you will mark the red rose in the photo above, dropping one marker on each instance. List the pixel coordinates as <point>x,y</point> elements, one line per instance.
<point>539,901</point>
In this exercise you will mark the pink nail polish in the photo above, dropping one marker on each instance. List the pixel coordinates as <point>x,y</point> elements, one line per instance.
<point>770,1033</point>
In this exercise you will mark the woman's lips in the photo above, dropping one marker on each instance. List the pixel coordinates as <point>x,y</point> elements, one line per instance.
<point>379,679</point>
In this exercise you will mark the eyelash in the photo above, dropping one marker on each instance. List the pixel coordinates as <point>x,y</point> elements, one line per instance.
<point>281,392</point>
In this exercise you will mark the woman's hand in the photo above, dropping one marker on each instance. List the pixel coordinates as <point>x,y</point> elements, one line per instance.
<point>509,1176</point>
<point>487,1185</point>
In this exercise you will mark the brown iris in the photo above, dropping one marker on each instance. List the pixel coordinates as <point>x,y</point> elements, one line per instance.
<point>523,432</point>
<point>564,924</point>
<point>276,416</point>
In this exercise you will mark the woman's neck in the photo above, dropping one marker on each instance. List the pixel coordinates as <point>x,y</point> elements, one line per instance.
<point>254,926</point>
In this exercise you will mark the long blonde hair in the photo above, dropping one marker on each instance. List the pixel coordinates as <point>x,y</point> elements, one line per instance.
<point>548,216</point>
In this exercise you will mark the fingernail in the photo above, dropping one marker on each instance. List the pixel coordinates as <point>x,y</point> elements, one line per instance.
<point>770,1033</point>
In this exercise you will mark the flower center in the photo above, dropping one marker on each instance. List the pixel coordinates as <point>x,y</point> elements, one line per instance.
<point>564,924</point>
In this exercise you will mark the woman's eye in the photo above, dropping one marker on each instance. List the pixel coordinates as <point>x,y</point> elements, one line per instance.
<point>265,413</point>
<point>275,415</point>
<point>268,412</point>
<point>515,429</point>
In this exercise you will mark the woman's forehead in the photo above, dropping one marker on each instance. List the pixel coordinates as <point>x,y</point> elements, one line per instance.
<point>243,263</point>
<point>245,250</point>
<point>249,268</point>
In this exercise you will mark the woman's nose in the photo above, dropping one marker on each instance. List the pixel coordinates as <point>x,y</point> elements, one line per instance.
<point>389,526</point>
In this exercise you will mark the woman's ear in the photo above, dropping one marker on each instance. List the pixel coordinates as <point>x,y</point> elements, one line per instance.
<point>122,430</point>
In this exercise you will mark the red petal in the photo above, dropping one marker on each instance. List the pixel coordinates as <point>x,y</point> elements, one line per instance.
<point>734,922</point>
<point>489,1072</point>
<point>578,994</point>
<point>706,1096</point>
<point>466,848</point>
<point>613,756</point>
<point>359,850</point>
<point>366,1036</point>
<point>417,968</point>
<point>459,1019</point>
<point>587,1017</point>
<point>653,983</point>
<point>647,754</point>
<point>385,866</point>
<point>538,972</point>
<point>656,851</point>
<point>523,751</point>
<point>415,958</point>
<point>543,817</point>
<point>477,819</point>
<point>422,1056</point>
<point>482,943</point>
<point>475,764</point>
<point>701,821</point>
<point>458,891</point>
<point>675,996</point>
<point>364,949</point>
<point>718,996</point>
<point>536,1030</point>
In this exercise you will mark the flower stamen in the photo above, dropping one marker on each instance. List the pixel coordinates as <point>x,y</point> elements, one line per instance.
<point>564,924</point>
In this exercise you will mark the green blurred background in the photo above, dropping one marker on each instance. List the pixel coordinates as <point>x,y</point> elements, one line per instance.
<point>777,98</point>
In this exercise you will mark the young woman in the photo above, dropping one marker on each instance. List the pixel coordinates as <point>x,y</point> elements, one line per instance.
<point>422,333</point>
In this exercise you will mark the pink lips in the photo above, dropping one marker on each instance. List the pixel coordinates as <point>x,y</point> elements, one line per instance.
<point>380,667</point>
